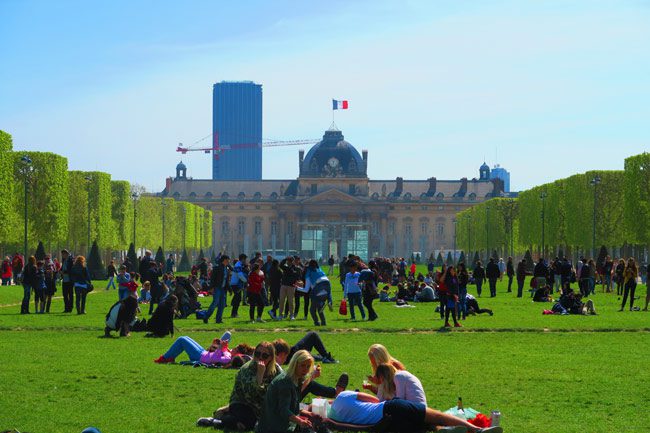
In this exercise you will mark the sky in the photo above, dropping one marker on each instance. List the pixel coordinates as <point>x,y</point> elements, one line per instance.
<point>545,89</point>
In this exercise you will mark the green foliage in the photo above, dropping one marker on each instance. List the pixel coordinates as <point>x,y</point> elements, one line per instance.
<point>530,265</point>
<point>90,190</point>
<point>184,265</point>
<point>8,214</point>
<point>160,256</point>
<point>450,259</point>
<point>461,258</point>
<point>47,197</point>
<point>636,204</point>
<point>439,260</point>
<point>121,214</point>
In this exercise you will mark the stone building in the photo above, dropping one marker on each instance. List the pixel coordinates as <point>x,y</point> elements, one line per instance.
<point>332,208</point>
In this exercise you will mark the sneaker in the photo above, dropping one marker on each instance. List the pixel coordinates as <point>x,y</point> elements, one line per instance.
<point>292,318</point>
<point>495,429</point>
<point>259,320</point>
<point>208,422</point>
<point>329,359</point>
<point>457,325</point>
<point>272,314</point>
<point>447,325</point>
<point>163,360</point>
<point>343,382</point>
<point>330,306</point>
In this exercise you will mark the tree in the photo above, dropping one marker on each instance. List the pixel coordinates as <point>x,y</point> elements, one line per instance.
<point>121,213</point>
<point>530,265</point>
<point>133,258</point>
<point>40,251</point>
<point>184,265</point>
<point>8,214</point>
<point>461,259</point>
<point>160,256</point>
<point>450,259</point>
<point>95,265</point>
<point>476,259</point>
<point>439,260</point>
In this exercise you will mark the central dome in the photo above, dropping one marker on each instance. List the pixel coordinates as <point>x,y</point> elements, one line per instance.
<point>333,157</point>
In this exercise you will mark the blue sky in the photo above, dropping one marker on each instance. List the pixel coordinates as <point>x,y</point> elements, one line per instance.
<point>546,89</point>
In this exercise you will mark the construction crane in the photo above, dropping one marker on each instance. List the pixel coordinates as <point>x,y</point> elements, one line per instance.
<point>218,149</point>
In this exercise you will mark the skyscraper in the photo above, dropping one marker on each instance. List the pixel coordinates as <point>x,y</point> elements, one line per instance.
<point>499,172</point>
<point>237,125</point>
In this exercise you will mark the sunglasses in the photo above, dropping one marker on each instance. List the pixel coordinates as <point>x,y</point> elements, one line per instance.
<point>261,355</point>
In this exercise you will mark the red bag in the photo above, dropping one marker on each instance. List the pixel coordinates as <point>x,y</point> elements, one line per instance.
<point>343,308</point>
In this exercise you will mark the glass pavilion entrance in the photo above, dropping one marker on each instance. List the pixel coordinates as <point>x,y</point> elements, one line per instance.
<point>321,240</point>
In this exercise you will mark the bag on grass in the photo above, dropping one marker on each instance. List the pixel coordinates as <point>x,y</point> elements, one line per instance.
<point>343,308</point>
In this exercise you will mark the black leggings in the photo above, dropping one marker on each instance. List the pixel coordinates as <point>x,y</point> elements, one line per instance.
<point>367,302</point>
<point>296,301</point>
<point>239,413</point>
<point>316,310</point>
<point>629,289</point>
<point>309,342</point>
<point>255,300</point>
<point>451,310</point>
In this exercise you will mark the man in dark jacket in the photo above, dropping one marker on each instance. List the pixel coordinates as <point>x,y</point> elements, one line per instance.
<point>220,284</point>
<point>540,273</point>
<point>67,285</point>
<point>510,272</point>
<point>521,277</point>
<point>492,273</point>
<point>152,275</point>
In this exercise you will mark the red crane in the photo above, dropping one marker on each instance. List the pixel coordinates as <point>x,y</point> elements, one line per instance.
<point>217,149</point>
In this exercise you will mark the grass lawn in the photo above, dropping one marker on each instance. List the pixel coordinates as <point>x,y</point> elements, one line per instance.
<point>545,373</point>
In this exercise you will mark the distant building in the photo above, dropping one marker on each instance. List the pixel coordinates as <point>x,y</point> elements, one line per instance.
<point>503,174</point>
<point>333,208</point>
<point>237,128</point>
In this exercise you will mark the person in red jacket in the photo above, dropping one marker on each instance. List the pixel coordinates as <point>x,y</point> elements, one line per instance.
<point>6,271</point>
<point>254,293</point>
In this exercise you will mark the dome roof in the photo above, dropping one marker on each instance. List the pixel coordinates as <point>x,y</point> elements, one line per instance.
<point>181,166</point>
<point>484,166</point>
<point>333,157</point>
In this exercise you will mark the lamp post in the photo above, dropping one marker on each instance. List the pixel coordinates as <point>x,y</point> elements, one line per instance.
<point>543,196</point>
<point>26,170</point>
<point>487,233</point>
<point>595,181</point>
<point>134,196</point>
<point>88,180</point>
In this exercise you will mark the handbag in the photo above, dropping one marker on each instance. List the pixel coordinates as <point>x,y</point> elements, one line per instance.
<point>343,308</point>
<point>89,287</point>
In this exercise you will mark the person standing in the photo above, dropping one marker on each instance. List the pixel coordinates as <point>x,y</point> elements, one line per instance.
<point>123,280</point>
<point>169,264</point>
<point>111,272</point>
<point>368,279</point>
<point>275,282</point>
<point>352,291</point>
<point>17,264</point>
<point>29,280</point>
<point>463,279</point>
<point>510,272</point>
<point>80,277</point>
<point>502,268</point>
<point>67,284</point>
<point>320,291</point>
<point>521,277</point>
<point>607,274</point>
<point>290,278</point>
<point>479,277</point>
<point>219,282</point>
<point>618,276</point>
<point>451,281</point>
<point>6,271</point>
<point>153,275</point>
<point>629,282</point>
<point>331,262</point>
<point>238,282</point>
<point>254,293</point>
<point>492,273</point>
<point>50,281</point>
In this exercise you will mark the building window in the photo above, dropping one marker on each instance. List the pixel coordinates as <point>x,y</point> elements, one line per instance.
<point>407,229</point>
<point>289,227</point>
<point>375,227</point>
<point>391,227</point>
<point>274,227</point>
<point>258,227</point>
<point>440,230</point>
<point>225,227</point>
<point>424,227</point>
<point>241,227</point>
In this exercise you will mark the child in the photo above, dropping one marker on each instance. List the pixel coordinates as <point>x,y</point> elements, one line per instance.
<point>122,283</point>
<point>352,290</point>
<point>145,293</point>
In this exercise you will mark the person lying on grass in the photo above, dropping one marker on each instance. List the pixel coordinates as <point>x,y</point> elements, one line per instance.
<point>217,353</point>
<point>397,415</point>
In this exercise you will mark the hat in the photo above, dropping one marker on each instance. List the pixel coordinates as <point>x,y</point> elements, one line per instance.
<point>64,251</point>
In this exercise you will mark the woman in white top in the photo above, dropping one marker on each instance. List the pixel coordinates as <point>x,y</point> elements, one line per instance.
<point>395,383</point>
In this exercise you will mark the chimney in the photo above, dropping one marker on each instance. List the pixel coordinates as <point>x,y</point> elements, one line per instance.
<point>168,184</point>
<point>432,187</point>
<point>399,186</point>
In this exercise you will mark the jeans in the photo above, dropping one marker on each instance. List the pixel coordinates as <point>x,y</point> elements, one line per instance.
<point>80,299</point>
<point>235,301</point>
<point>310,341</point>
<point>296,297</point>
<point>111,282</point>
<point>218,303</point>
<point>122,292</point>
<point>630,288</point>
<point>317,309</point>
<point>520,287</point>
<point>66,289</point>
<point>462,301</point>
<point>510,278</point>
<point>318,390</point>
<point>355,299</point>
<point>275,298</point>
<point>367,302</point>
<point>239,413</point>
<point>608,281</point>
<point>185,344</point>
<point>493,287</point>
<point>479,286</point>
<point>27,292</point>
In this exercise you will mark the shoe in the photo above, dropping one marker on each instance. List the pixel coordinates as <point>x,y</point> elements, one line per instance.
<point>305,318</point>
<point>343,381</point>
<point>453,429</point>
<point>316,324</point>
<point>495,429</point>
<point>259,320</point>
<point>447,325</point>
<point>292,318</point>
<point>457,325</point>
<point>272,314</point>
<point>234,316</point>
<point>205,320</point>
<point>219,322</point>
<point>208,422</point>
<point>163,360</point>
<point>330,306</point>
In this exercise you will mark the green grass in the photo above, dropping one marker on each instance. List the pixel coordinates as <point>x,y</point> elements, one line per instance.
<point>57,375</point>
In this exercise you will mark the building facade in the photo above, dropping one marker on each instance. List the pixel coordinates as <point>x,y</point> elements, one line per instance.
<point>499,172</point>
<point>333,208</point>
<point>237,130</point>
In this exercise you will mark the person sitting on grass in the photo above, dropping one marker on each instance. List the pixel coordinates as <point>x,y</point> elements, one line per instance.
<point>161,322</point>
<point>378,354</point>
<point>543,294</point>
<point>425,294</point>
<point>145,292</point>
<point>120,316</point>
<point>473,308</point>
<point>571,303</point>
<point>384,295</point>
<point>395,383</point>
<point>217,353</point>
<point>247,397</point>
<point>397,415</point>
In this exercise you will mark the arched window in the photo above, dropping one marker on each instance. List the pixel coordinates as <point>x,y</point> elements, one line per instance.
<point>472,197</point>
<point>274,196</point>
<point>440,196</point>
<point>208,194</point>
<point>192,194</point>
<point>257,196</point>
<point>225,196</point>
<point>241,196</point>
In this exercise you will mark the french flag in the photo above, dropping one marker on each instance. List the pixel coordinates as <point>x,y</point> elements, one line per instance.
<point>339,105</point>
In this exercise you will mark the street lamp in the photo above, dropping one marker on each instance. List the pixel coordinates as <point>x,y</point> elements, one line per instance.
<point>134,196</point>
<point>595,181</point>
<point>163,204</point>
<point>543,196</point>
<point>26,170</point>
<point>487,233</point>
<point>88,180</point>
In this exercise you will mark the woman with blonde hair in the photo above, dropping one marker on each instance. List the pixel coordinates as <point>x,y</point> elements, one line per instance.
<point>247,398</point>
<point>281,403</point>
<point>378,354</point>
<point>629,282</point>
<point>401,384</point>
